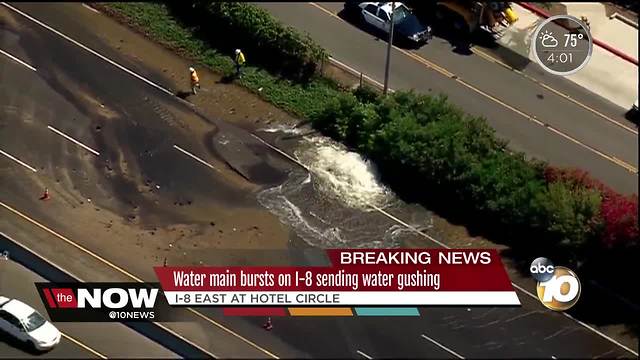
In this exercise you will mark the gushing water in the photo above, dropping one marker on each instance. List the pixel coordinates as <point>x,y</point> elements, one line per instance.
<point>344,175</point>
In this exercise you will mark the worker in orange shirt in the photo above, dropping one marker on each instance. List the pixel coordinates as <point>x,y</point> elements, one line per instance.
<point>195,81</point>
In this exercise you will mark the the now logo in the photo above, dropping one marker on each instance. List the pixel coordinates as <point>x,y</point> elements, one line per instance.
<point>117,298</point>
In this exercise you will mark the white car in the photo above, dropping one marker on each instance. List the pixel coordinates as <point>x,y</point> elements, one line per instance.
<point>26,324</point>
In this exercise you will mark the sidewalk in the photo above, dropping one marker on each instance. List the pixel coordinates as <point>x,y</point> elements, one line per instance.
<point>611,72</point>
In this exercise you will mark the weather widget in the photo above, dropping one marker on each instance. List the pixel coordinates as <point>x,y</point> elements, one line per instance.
<point>562,44</point>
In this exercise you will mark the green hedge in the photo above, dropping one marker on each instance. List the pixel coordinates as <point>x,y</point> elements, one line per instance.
<point>265,41</point>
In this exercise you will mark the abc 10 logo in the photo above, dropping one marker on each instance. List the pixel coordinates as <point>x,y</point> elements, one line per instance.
<point>558,287</point>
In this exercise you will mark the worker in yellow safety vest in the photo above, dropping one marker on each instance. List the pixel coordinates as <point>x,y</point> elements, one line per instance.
<point>239,60</point>
<point>195,81</point>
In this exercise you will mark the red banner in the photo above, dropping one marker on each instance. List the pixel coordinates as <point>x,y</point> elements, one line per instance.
<point>354,270</point>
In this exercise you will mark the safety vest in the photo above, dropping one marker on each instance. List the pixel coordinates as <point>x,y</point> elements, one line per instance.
<point>240,58</point>
<point>194,78</point>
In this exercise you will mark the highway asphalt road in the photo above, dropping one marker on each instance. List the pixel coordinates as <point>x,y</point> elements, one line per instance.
<point>80,340</point>
<point>134,124</point>
<point>484,88</point>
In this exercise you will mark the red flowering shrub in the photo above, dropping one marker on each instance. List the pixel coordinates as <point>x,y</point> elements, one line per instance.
<point>620,217</point>
<point>619,213</point>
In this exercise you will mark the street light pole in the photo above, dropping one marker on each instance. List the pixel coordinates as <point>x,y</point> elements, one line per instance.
<point>389,44</point>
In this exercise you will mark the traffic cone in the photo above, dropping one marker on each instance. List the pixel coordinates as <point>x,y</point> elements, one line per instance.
<point>45,195</point>
<point>268,326</point>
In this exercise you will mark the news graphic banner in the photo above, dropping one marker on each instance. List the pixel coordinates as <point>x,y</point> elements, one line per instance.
<point>387,282</point>
<point>376,277</point>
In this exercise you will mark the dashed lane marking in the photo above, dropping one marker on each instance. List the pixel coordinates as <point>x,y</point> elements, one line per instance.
<point>442,346</point>
<point>17,60</point>
<point>94,152</point>
<point>528,117</point>
<point>87,49</point>
<point>364,355</point>
<point>18,161</point>
<point>90,8</point>
<point>194,157</point>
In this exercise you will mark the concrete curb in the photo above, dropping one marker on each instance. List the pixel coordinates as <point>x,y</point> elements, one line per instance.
<point>624,19</point>
<point>544,14</point>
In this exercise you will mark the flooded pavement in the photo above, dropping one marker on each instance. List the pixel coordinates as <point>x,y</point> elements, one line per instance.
<point>334,205</point>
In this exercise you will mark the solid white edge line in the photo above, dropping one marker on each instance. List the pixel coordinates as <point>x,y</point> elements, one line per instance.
<point>18,161</point>
<point>17,60</point>
<point>88,49</point>
<point>357,73</point>
<point>271,146</point>
<point>442,346</point>
<point>194,157</point>
<point>73,140</point>
<point>364,355</point>
<point>90,8</point>
<point>82,281</point>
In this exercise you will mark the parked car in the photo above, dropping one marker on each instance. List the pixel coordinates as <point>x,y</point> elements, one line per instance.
<point>26,324</point>
<point>406,25</point>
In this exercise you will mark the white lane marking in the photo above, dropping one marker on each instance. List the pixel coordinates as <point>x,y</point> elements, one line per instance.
<point>73,140</point>
<point>282,153</point>
<point>442,347</point>
<point>412,228</point>
<point>88,49</point>
<point>357,73</point>
<point>18,161</point>
<point>271,146</point>
<point>194,157</point>
<point>80,280</point>
<point>16,60</point>
<point>90,8</point>
<point>364,355</point>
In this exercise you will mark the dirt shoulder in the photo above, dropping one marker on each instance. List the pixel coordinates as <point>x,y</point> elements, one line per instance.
<point>240,106</point>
